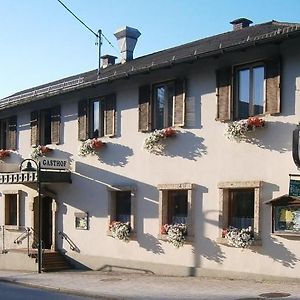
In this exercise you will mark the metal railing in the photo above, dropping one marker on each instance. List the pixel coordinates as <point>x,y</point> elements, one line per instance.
<point>72,245</point>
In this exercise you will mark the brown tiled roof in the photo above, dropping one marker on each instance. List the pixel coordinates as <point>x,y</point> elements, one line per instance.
<point>218,44</point>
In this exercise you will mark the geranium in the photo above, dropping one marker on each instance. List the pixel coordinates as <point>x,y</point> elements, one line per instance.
<point>120,230</point>
<point>240,238</point>
<point>154,142</point>
<point>4,153</point>
<point>39,151</point>
<point>237,130</point>
<point>90,146</point>
<point>176,233</point>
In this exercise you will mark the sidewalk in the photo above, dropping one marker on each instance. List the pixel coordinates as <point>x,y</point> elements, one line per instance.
<point>119,285</point>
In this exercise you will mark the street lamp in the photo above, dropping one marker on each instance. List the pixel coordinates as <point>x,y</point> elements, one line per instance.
<point>30,168</point>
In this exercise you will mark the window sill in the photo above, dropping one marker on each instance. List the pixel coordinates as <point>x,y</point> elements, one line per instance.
<point>287,234</point>
<point>223,241</point>
<point>164,237</point>
<point>12,227</point>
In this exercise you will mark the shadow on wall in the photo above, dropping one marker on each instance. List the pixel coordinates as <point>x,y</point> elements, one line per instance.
<point>278,252</point>
<point>115,154</point>
<point>186,145</point>
<point>151,243</point>
<point>276,136</point>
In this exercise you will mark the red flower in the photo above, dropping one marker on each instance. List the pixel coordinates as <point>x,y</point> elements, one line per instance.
<point>164,229</point>
<point>169,132</point>
<point>255,122</point>
<point>45,149</point>
<point>4,153</point>
<point>97,144</point>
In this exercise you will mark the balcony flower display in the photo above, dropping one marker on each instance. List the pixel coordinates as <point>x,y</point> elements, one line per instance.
<point>4,153</point>
<point>155,141</point>
<point>90,146</point>
<point>239,238</point>
<point>237,130</point>
<point>176,233</point>
<point>39,151</point>
<point>120,230</point>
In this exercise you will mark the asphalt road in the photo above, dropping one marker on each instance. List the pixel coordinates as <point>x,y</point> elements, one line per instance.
<point>10,291</point>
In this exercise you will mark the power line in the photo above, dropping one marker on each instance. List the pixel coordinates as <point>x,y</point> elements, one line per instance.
<point>86,26</point>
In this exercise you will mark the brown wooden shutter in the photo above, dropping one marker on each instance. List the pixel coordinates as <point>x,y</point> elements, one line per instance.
<point>109,115</point>
<point>224,94</point>
<point>82,120</point>
<point>55,125</point>
<point>273,86</point>
<point>12,133</point>
<point>144,108</point>
<point>179,103</point>
<point>34,124</point>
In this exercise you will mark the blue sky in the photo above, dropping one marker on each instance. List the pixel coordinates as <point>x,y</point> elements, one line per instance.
<point>41,42</point>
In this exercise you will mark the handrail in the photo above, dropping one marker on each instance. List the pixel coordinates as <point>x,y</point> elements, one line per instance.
<point>73,247</point>
<point>22,236</point>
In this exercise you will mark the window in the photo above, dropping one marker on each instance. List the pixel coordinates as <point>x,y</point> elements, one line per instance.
<point>162,105</point>
<point>122,205</point>
<point>175,205</point>
<point>8,133</point>
<point>45,126</point>
<point>96,117</point>
<point>11,209</point>
<point>239,205</point>
<point>248,90</point>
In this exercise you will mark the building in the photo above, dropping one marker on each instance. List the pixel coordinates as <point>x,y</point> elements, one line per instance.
<point>205,91</point>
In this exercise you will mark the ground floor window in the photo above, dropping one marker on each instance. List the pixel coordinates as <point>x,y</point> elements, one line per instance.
<point>11,208</point>
<point>239,206</point>
<point>175,206</point>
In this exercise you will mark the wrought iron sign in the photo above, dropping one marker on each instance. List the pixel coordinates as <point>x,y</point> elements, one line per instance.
<point>25,177</point>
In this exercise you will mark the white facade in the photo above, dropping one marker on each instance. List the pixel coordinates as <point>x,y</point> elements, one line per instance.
<point>200,155</point>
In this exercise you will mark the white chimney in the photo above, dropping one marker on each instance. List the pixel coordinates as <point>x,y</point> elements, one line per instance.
<point>127,38</point>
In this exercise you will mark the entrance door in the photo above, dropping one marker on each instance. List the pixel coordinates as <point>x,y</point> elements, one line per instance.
<point>46,221</point>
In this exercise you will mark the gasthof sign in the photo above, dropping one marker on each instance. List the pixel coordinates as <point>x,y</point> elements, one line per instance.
<point>54,163</point>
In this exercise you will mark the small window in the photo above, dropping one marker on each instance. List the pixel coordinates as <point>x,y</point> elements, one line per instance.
<point>163,105</point>
<point>97,120</point>
<point>8,133</point>
<point>11,217</point>
<point>239,206</point>
<point>121,205</point>
<point>45,125</point>
<point>175,202</point>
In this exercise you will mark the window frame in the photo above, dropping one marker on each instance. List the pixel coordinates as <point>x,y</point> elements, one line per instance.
<point>250,67</point>
<point>101,101</point>
<point>111,216</point>
<point>224,191</point>
<point>163,190</point>
<point>5,194</point>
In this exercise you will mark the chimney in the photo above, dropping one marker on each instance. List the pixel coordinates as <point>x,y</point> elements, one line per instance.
<point>240,23</point>
<point>108,60</point>
<point>127,38</point>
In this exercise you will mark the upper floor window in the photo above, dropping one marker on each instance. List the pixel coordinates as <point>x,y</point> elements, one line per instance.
<point>8,133</point>
<point>162,105</point>
<point>250,96</point>
<point>96,117</point>
<point>248,90</point>
<point>45,126</point>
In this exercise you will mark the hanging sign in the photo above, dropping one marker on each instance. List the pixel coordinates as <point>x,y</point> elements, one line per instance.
<point>54,163</point>
<point>294,189</point>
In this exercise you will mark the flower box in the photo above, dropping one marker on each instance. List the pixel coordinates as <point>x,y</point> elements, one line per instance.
<point>40,151</point>
<point>154,143</point>
<point>120,230</point>
<point>176,233</point>
<point>91,146</point>
<point>239,238</point>
<point>237,130</point>
<point>4,153</point>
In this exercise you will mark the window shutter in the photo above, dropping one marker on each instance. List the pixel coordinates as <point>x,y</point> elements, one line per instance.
<point>179,103</point>
<point>223,94</point>
<point>82,120</point>
<point>273,86</point>
<point>34,124</point>
<point>12,133</point>
<point>144,108</point>
<point>55,125</point>
<point>109,115</point>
